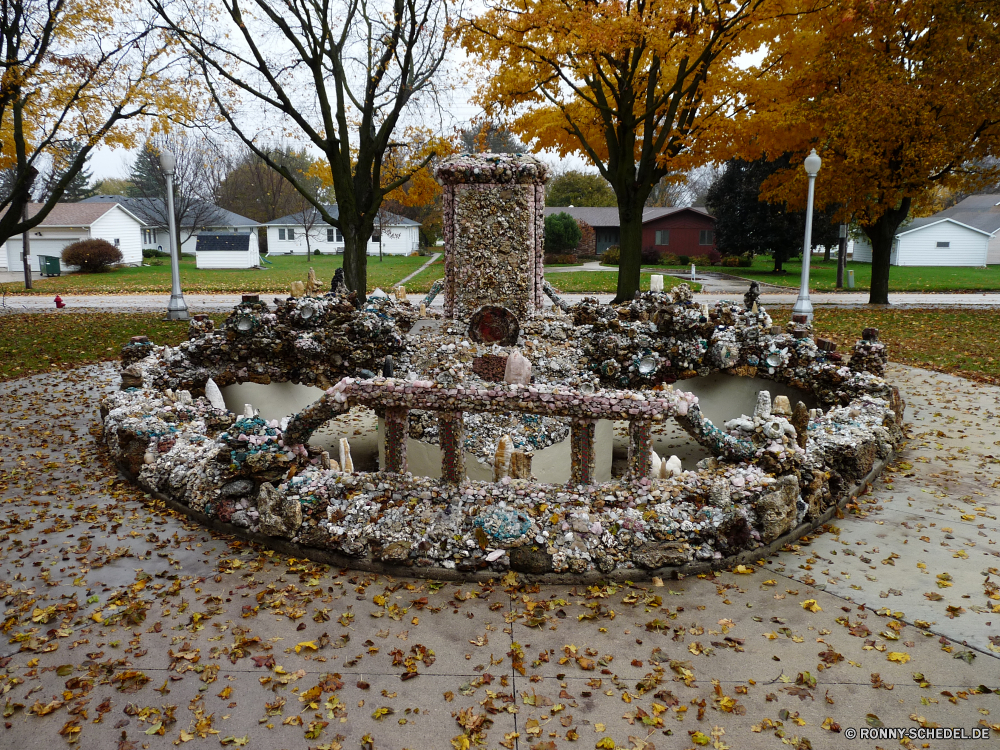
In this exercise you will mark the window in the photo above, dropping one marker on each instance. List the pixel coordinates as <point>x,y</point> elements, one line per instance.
<point>662,236</point>
<point>281,233</point>
<point>944,244</point>
<point>706,237</point>
<point>291,233</point>
<point>329,234</point>
<point>334,235</point>
<point>376,236</point>
<point>118,243</point>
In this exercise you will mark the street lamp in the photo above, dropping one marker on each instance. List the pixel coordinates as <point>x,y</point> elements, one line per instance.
<point>803,305</point>
<point>176,308</point>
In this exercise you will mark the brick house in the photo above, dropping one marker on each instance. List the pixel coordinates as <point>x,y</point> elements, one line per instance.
<point>673,230</point>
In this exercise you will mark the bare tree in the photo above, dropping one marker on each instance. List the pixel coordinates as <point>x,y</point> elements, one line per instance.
<point>340,75</point>
<point>196,179</point>
<point>253,189</point>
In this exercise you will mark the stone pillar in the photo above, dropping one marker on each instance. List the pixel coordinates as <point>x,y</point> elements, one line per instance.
<point>451,436</point>
<point>493,209</point>
<point>640,449</point>
<point>397,430</point>
<point>582,451</point>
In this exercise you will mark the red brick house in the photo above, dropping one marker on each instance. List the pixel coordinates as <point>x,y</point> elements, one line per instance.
<point>672,230</point>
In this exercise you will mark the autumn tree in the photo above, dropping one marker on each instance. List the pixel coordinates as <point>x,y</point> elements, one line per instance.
<point>634,86</point>
<point>420,197</point>
<point>898,96</point>
<point>575,188</point>
<point>76,74</point>
<point>253,189</point>
<point>340,76</point>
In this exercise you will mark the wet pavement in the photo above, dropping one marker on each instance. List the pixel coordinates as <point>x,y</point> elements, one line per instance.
<point>129,626</point>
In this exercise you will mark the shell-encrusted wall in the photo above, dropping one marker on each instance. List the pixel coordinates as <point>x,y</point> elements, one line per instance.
<point>493,232</point>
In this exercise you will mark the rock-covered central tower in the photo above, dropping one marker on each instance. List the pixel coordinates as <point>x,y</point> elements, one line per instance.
<point>493,232</point>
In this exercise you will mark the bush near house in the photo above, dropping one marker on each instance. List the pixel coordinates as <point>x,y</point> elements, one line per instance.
<point>650,256</point>
<point>562,233</point>
<point>92,256</point>
<point>612,256</point>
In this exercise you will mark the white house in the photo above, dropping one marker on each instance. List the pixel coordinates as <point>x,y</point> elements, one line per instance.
<point>967,234</point>
<point>69,222</point>
<point>288,235</point>
<point>227,250</point>
<point>206,217</point>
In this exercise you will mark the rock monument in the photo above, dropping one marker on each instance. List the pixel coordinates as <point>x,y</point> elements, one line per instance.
<point>493,233</point>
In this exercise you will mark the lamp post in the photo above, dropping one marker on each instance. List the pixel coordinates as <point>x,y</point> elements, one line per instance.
<point>803,305</point>
<point>176,308</point>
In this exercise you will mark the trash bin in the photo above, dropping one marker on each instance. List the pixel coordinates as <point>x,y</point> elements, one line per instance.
<point>49,266</point>
<point>850,279</point>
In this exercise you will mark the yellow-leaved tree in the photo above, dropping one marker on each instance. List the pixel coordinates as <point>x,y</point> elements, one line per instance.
<point>900,98</point>
<point>75,74</point>
<point>636,86</point>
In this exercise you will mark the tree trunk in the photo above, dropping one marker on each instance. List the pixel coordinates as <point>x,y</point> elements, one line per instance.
<point>630,252</point>
<point>826,254</point>
<point>778,261</point>
<point>356,235</point>
<point>882,233</point>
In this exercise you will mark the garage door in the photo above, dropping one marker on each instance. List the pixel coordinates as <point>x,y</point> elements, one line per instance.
<point>39,246</point>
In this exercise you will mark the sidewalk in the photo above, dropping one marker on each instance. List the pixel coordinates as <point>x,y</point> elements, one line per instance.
<point>884,619</point>
<point>206,303</point>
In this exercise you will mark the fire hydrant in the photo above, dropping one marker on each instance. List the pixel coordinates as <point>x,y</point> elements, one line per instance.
<point>59,303</point>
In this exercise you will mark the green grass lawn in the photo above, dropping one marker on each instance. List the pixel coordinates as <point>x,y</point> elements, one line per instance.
<point>275,279</point>
<point>953,340</point>
<point>603,282</point>
<point>823,276</point>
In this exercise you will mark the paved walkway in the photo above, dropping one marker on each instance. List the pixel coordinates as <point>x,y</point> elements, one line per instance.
<point>108,598</point>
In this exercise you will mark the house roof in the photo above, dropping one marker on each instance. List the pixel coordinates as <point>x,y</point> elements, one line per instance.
<point>239,241</point>
<point>70,214</point>
<point>929,221</point>
<point>607,216</point>
<point>296,219</point>
<point>150,210</point>
<point>980,212</point>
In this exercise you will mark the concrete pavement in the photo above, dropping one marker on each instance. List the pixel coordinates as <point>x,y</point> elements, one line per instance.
<point>889,617</point>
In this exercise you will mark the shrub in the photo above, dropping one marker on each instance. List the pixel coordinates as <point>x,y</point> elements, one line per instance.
<point>152,252</point>
<point>714,257</point>
<point>731,261</point>
<point>650,256</point>
<point>684,259</point>
<point>92,256</point>
<point>700,260</point>
<point>568,258</point>
<point>317,251</point>
<point>562,233</point>
<point>611,256</point>
<point>669,259</point>
<point>746,260</point>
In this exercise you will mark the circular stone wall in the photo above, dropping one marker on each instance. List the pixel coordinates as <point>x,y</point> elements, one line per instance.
<point>774,473</point>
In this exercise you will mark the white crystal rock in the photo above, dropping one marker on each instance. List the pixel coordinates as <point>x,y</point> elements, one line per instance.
<point>214,395</point>
<point>656,283</point>
<point>347,465</point>
<point>378,293</point>
<point>782,406</point>
<point>671,467</point>
<point>148,458</point>
<point>654,465</point>
<point>518,369</point>
<point>763,408</point>
<point>184,397</point>
<point>501,459</point>
<point>248,411</point>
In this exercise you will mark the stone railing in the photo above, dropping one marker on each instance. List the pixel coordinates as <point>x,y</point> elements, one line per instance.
<point>397,397</point>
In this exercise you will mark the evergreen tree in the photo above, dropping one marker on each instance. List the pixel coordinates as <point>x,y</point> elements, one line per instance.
<point>79,187</point>
<point>746,224</point>
<point>562,233</point>
<point>488,137</point>
<point>146,176</point>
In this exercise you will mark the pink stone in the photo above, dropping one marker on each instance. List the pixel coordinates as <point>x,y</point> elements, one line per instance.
<point>518,369</point>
